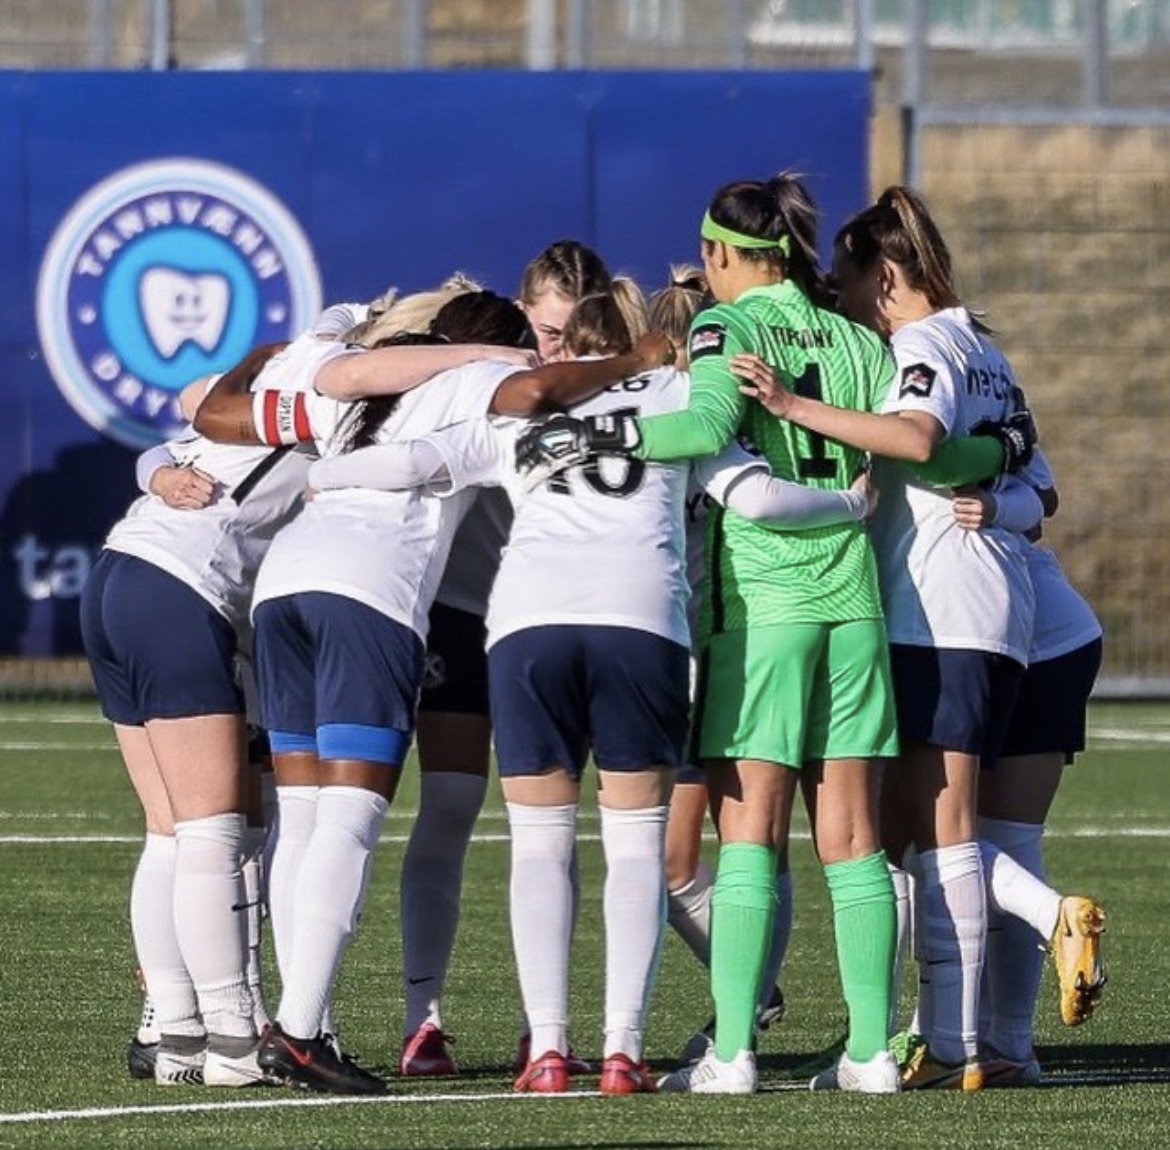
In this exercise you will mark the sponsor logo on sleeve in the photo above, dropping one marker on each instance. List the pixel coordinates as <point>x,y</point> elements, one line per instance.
<point>164,272</point>
<point>707,339</point>
<point>917,379</point>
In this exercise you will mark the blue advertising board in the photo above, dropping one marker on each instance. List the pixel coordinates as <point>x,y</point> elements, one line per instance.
<point>157,225</point>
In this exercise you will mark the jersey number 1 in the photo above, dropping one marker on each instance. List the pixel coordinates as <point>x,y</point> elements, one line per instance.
<point>816,465</point>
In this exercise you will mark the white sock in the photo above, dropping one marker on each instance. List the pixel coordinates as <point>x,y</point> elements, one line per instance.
<point>431,886</point>
<point>688,911</point>
<point>540,903</point>
<point>903,907</point>
<point>295,818</point>
<point>211,922</point>
<point>253,872</point>
<point>1015,960</point>
<point>781,933</point>
<point>635,913</point>
<point>1012,886</point>
<point>152,922</point>
<point>329,896</point>
<point>955,935</point>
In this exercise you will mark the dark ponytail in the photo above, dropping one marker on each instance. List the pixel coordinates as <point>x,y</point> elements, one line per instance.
<point>772,209</point>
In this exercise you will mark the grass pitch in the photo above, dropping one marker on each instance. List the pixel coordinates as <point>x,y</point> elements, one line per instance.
<point>69,834</point>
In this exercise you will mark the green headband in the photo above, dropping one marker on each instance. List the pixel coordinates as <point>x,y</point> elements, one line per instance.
<point>710,230</point>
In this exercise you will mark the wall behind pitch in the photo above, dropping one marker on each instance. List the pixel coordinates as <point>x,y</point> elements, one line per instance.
<point>154,226</point>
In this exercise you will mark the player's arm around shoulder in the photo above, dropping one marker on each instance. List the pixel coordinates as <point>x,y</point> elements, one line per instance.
<point>715,408</point>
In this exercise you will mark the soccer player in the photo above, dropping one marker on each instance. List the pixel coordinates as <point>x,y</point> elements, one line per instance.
<point>165,625</point>
<point>340,611</point>
<point>1047,730</point>
<point>958,605</point>
<point>162,617</point>
<point>743,482</point>
<point>787,612</point>
<point>454,727</point>
<point>552,284</point>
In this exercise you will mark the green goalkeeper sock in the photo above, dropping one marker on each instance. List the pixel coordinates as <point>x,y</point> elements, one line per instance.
<point>742,908</point>
<point>862,894</point>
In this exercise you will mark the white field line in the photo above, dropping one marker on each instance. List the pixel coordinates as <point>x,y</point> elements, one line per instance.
<point>1151,832</point>
<point>1135,736</point>
<point>88,719</point>
<point>391,816</point>
<point>291,1101</point>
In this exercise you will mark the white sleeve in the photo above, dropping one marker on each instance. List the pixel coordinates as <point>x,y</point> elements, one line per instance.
<point>384,467</point>
<point>743,482</point>
<point>786,506</point>
<point>715,474</point>
<point>149,462</point>
<point>337,319</point>
<point>442,463</point>
<point>925,380</point>
<point>474,452</point>
<point>1017,506</point>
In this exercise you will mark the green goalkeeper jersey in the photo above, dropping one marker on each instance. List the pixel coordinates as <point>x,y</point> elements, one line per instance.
<point>759,576</point>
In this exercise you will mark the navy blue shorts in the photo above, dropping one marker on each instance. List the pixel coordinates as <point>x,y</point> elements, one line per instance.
<point>1050,709</point>
<point>957,700</point>
<point>558,692</point>
<point>156,648</point>
<point>336,677</point>
<point>455,674</point>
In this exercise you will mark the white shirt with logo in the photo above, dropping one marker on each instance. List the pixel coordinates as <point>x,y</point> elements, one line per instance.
<point>943,586</point>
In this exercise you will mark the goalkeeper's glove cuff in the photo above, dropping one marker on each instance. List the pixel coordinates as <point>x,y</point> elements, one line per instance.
<point>614,433</point>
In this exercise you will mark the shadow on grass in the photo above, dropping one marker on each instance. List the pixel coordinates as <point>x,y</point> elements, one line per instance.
<point>1105,1065</point>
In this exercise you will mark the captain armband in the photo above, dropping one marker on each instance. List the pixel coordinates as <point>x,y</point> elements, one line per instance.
<point>281,417</point>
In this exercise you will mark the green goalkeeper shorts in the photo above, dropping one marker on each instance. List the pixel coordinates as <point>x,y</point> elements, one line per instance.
<point>796,692</point>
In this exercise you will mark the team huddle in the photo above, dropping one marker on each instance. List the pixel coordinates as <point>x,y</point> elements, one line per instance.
<point>766,528</point>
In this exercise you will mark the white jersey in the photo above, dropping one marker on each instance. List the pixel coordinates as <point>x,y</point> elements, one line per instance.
<point>217,549</point>
<point>386,549</point>
<point>602,543</point>
<point>943,586</point>
<point>1064,619</point>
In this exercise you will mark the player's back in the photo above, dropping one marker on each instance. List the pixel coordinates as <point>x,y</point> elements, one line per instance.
<point>820,355</point>
<point>603,541</point>
<point>825,574</point>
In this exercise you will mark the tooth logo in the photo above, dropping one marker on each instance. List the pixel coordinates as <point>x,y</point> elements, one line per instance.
<point>177,307</point>
<point>162,273</point>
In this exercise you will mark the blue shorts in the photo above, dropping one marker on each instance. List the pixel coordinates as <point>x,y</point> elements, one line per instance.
<point>559,692</point>
<point>957,700</point>
<point>336,677</point>
<point>156,648</point>
<point>455,674</point>
<point>1050,709</point>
